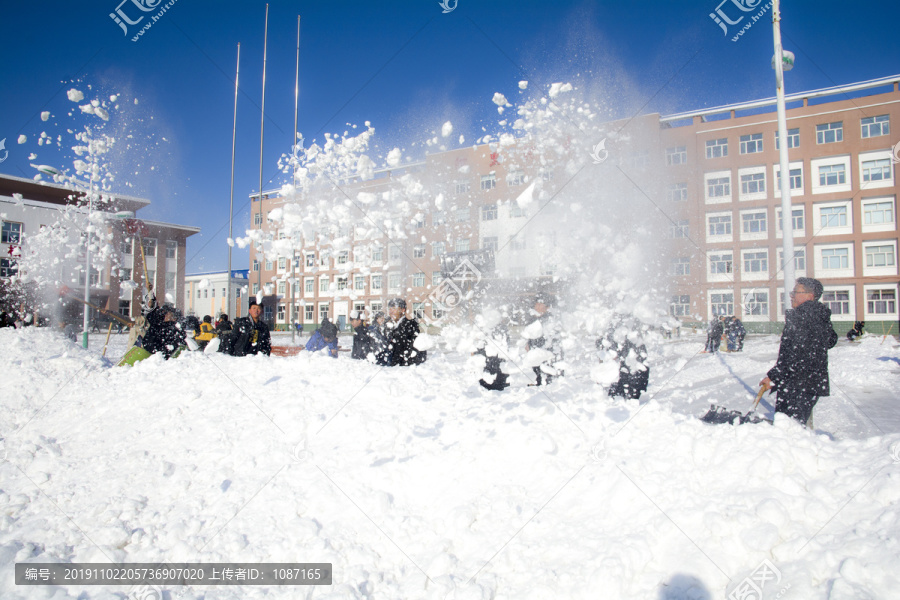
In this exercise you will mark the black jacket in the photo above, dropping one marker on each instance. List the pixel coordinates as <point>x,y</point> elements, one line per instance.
<point>249,338</point>
<point>400,343</point>
<point>162,336</point>
<point>802,365</point>
<point>362,343</point>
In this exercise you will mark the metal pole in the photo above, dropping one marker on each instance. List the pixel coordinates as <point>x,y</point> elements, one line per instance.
<point>237,73</point>
<point>87,250</point>
<point>787,225</point>
<point>293,316</point>
<point>262,124</point>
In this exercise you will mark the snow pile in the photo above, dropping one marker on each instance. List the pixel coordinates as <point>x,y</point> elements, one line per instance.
<point>417,483</point>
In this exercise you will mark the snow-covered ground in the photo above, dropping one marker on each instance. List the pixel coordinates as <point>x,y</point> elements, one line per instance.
<point>418,483</point>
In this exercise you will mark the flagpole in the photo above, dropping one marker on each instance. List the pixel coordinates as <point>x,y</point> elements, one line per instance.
<point>294,181</point>
<point>228,296</point>
<point>262,124</point>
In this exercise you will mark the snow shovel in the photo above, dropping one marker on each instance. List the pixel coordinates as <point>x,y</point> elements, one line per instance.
<point>718,415</point>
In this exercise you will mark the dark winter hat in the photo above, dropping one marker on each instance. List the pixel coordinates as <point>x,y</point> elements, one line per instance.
<point>207,319</point>
<point>251,301</point>
<point>328,329</point>
<point>398,302</point>
<point>812,285</point>
<point>357,315</point>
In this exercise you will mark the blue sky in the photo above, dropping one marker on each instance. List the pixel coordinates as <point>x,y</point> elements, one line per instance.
<point>405,66</point>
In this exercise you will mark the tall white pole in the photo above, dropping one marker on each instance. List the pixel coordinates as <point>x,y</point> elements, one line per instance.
<point>87,249</point>
<point>228,296</point>
<point>262,124</point>
<point>291,312</point>
<point>787,221</point>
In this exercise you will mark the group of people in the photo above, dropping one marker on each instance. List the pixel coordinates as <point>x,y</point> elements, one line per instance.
<point>731,328</point>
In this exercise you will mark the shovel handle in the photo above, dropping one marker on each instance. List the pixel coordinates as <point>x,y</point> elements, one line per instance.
<point>759,395</point>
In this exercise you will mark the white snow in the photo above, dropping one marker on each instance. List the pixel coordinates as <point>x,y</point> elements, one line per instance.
<point>417,483</point>
<point>45,115</point>
<point>22,138</point>
<point>446,129</point>
<point>75,95</point>
<point>393,157</point>
<point>526,197</point>
<point>523,85</point>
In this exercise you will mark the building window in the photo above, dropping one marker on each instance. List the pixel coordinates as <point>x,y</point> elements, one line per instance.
<point>309,313</point>
<point>359,283</point>
<point>376,307</point>
<point>418,280</point>
<point>439,218</point>
<point>125,308</point>
<point>756,262</point>
<point>461,215</point>
<point>255,288</point>
<point>676,192</point>
<point>515,178</point>
<point>878,213</point>
<point>754,183</point>
<point>8,267</point>
<point>341,283</point>
<point>681,266</point>
<point>722,303</point>
<point>126,274</point>
<point>343,257</point>
<point>280,313</point>
<point>515,211</point>
<point>323,312</point>
<point>378,254</point>
<point>832,175</point>
<point>436,278</point>
<point>171,248</point>
<point>679,229</point>
<point>212,290</point>
<point>680,306</point>
<point>376,283</point>
<point>488,182</point>
<point>462,245</point>
<point>720,225</point>
<point>268,265</point>
<point>756,304</point>
<point>881,302</point>
<point>835,258</point>
<point>323,284</point>
<point>717,148</point>
<point>793,136</point>
<point>281,289</point>
<point>838,301</point>
<point>418,309</point>
<point>437,248</point>
<point>125,246</point>
<point>751,143</point>
<point>462,186</point>
<point>149,247</point>
<point>795,180</point>
<point>255,265</point>
<point>310,260</point>
<point>829,133</point>
<point>720,263</point>
<point>797,219</point>
<point>880,256</point>
<point>257,219</point>
<point>308,286</point>
<point>799,259</point>
<point>875,126</point>
<point>489,243</point>
<point>393,253</point>
<point>419,251</point>
<point>718,187</point>
<point>676,155</point>
<point>833,216</point>
<point>754,222</point>
<point>393,281</point>
<point>876,170</point>
<point>282,263</point>
<point>517,242</point>
<point>198,293</point>
<point>489,212</point>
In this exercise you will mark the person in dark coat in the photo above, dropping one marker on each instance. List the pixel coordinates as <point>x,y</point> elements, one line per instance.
<point>401,333</point>
<point>224,325</point>
<point>714,335</point>
<point>800,374</point>
<point>735,332</point>
<point>378,336</point>
<point>164,334</point>
<point>250,335</point>
<point>324,337</point>
<point>547,340</point>
<point>7,321</point>
<point>362,339</point>
<point>623,344</point>
<point>857,330</point>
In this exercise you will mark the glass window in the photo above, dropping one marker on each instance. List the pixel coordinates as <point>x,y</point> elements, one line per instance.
<point>488,182</point>
<point>676,192</point>
<point>754,183</point>
<point>875,126</point>
<point>489,212</point>
<point>828,133</point>
<point>835,258</point>
<point>838,301</point>
<point>880,256</point>
<point>489,242</point>
<point>436,278</point>
<point>377,283</point>
<point>680,306</point>
<point>419,251</point>
<point>681,266</point>
<point>756,303</point>
<point>9,267</point>
<point>676,155</point>
<point>751,143</point>
<point>309,313</point>
<point>394,281</point>
<point>720,263</point>
<point>394,252</point>
<point>462,215</point>
<point>462,245</point>
<point>149,247</point>
<point>515,178</point>
<point>876,170</point>
<point>720,225</point>
<point>832,175</point>
<point>795,180</point>
<point>171,248</point>
<point>462,186</point>
<point>679,229</point>
<point>756,262</point>
<point>722,303</point>
<point>717,148</point>
<point>437,248</point>
<point>323,284</point>
<point>881,302</point>
<point>359,283</point>
<point>833,216</point>
<point>797,219</point>
<point>754,222</point>
<point>718,187</point>
<point>793,136</point>
<point>418,280</point>
<point>876,213</point>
